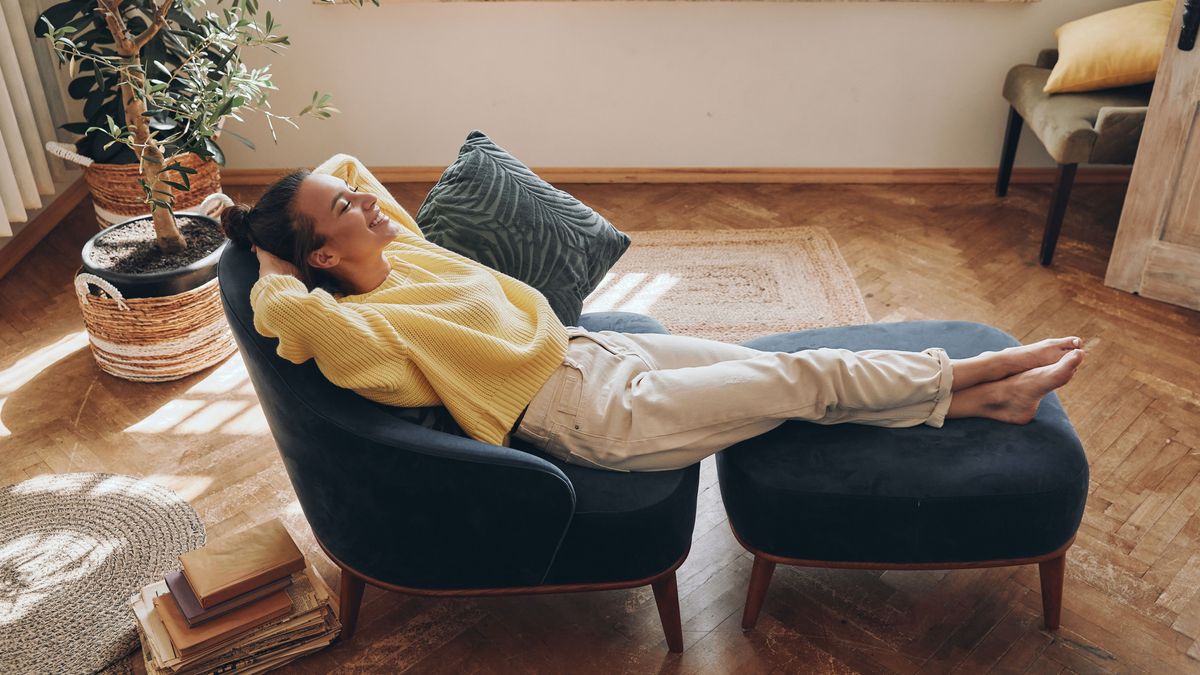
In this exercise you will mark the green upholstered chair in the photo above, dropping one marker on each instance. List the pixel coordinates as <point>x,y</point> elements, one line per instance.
<point>1098,127</point>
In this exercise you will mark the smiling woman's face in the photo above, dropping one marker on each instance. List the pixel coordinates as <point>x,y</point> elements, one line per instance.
<point>351,223</point>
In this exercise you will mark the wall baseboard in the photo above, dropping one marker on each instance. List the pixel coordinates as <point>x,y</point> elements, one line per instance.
<point>430,174</point>
<point>15,249</point>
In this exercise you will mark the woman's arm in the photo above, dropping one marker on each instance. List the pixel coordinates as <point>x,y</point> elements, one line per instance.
<point>353,344</point>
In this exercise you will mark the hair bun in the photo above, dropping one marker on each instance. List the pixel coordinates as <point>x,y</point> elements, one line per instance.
<point>234,220</point>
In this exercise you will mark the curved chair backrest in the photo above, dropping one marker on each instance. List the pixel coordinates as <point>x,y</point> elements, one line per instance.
<point>396,501</point>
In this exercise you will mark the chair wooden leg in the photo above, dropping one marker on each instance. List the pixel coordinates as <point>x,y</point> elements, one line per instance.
<point>1052,572</point>
<point>350,592</point>
<point>1058,208</point>
<point>666,596</point>
<point>1012,134</point>
<point>760,579</point>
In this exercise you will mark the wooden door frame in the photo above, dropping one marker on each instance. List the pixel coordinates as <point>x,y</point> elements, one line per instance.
<point>1143,217</point>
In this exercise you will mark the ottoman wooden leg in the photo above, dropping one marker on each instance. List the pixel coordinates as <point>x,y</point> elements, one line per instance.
<point>760,579</point>
<point>350,592</point>
<point>666,596</point>
<point>1052,572</point>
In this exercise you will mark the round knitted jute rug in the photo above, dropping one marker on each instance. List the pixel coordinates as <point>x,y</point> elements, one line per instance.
<point>73,549</point>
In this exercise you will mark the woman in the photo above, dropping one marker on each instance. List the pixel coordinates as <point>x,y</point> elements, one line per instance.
<point>346,278</point>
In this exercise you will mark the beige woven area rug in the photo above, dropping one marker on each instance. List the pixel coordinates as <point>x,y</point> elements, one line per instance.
<point>733,285</point>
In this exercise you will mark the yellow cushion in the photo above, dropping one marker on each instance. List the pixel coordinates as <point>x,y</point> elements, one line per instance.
<point>1116,48</point>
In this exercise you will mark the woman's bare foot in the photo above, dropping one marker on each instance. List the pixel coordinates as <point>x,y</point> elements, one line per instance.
<point>1044,353</point>
<point>992,366</point>
<point>1015,399</point>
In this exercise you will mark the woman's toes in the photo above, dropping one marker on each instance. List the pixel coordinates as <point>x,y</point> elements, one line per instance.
<point>1056,375</point>
<point>1071,360</point>
<point>1044,353</point>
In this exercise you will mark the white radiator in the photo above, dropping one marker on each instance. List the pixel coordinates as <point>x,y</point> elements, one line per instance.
<point>32,89</point>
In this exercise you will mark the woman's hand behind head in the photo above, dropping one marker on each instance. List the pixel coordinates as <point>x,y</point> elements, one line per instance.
<point>269,263</point>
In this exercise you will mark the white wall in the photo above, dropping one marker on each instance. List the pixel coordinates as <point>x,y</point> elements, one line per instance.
<point>661,84</point>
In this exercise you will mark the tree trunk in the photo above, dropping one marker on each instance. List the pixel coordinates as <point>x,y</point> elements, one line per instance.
<point>165,229</point>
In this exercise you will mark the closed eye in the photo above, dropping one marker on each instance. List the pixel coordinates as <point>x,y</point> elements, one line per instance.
<point>347,207</point>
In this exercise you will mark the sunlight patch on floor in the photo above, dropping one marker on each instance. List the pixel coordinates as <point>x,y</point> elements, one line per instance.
<point>211,416</point>
<point>38,564</point>
<point>28,367</point>
<point>250,423</point>
<point>223,402</point>
<point>629,292</point>
<point>168,417</point>
<point>187,487</point>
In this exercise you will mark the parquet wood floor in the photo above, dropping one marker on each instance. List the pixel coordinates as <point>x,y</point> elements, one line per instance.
<point>1131,602</point>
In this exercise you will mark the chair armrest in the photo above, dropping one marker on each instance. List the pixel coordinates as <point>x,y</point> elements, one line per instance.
<point>416,507</point>
<point>1047,58</point>
<point>1114,117</point>
<point>1118,132</point>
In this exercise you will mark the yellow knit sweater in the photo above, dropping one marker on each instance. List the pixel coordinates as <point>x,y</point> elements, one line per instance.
<point>442,329</point>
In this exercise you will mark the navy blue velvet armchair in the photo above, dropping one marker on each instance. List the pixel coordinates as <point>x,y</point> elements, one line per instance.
<point>418,510</point>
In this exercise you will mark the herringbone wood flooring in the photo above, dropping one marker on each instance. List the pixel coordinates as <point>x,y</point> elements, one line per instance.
<point>939,251</point>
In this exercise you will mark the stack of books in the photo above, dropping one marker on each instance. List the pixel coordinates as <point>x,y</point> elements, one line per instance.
<point>244,604</point>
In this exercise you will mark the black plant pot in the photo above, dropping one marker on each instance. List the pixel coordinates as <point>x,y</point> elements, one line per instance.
<point>160,283</point>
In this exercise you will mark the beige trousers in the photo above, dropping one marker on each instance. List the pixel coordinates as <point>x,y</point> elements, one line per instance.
<point>648,402</point>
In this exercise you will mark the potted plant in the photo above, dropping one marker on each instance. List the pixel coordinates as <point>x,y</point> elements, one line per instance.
<point>111,170</point>
<point>175,71</point>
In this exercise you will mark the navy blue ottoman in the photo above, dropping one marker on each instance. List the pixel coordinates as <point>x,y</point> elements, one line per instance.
<point>975,493</point>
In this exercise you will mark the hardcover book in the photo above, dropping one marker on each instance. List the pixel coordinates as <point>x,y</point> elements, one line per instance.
<point>241,562</point>
<point>188,640</point>
<point>194,614</point>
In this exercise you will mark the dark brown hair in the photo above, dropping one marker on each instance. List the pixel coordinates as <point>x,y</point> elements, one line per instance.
<point>274,225</point>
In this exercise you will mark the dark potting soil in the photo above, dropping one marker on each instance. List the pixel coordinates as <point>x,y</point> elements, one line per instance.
<point>132,249</point>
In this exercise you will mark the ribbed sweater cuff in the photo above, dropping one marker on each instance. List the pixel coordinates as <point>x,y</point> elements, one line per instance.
<point>274,283</point>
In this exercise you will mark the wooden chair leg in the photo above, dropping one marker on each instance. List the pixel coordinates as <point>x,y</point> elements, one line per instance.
<point>350,592</point>
<point>760,579</point>
<point>1052,572</point>
<point>1058,208</point>
<point>666,596</point>
<point>1012,134</point>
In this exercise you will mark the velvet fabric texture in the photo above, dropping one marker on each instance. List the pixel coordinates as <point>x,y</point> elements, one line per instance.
<point>1078,128</point>
<point>427,509</point>
<point>973,490</point>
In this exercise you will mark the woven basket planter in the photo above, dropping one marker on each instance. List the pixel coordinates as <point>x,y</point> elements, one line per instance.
<point>116,195</point>
<point>156,339</point>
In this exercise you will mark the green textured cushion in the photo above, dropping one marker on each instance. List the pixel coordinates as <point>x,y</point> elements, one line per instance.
<point>490,207</point>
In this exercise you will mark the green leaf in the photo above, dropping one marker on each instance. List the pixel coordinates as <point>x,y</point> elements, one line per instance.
<point>59,15</point>
<point>245,141</point>
<point>80,86</point>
